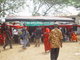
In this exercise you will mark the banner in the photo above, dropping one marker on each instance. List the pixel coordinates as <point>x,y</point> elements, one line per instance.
<point>37,23</point>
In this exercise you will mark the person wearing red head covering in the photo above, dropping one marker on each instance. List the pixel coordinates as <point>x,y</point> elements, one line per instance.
<point>46,40</point>
<point>74,37</point>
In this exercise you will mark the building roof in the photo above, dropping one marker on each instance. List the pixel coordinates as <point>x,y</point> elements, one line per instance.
<point>39,18</point>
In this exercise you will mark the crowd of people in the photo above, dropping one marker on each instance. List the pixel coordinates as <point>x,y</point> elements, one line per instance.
<point>52,38</point>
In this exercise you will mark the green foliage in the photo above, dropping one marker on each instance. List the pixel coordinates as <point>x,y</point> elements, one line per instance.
<point>75,3</point>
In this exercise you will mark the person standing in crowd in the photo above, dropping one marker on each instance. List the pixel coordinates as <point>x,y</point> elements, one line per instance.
<point>73,36</point>
<point>33,36</point>
<point>38,33</point>
<point>46,39</point>
<point>7,35</point>
<point>55,39</point>
<point>25,38</point>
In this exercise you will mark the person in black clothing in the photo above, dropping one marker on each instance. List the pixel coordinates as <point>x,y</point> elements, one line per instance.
<point>6,32</point>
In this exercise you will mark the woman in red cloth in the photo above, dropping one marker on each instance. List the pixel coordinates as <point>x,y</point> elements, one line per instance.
<point>45,39</point>
<point>74,36</point>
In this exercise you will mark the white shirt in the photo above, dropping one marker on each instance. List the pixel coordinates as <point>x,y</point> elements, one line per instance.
<point>15,32</point>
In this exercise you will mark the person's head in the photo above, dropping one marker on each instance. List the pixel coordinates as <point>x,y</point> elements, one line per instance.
<point>24,24</point>
<point>4,26</point>
<point>23,29</point>
<point>55,26</point>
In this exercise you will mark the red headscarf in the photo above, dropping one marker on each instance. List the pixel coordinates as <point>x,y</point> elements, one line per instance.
<point>47,30</point>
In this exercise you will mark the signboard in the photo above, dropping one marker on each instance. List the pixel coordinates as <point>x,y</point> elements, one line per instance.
<point>37,23</point>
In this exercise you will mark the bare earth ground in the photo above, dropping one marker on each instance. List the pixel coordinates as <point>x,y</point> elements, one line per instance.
<point>69,51</point>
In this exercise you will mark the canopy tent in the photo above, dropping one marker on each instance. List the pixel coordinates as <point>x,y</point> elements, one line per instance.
<point>39,20</point>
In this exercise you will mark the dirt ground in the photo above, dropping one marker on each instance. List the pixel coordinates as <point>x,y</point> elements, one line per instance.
<point>69,51</point>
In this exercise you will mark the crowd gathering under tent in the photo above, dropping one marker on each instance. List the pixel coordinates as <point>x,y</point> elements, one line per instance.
<point>31,23</point>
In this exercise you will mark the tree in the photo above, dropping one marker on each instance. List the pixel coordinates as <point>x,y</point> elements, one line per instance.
<point>36,8</point>
<point>40,8</point>
<point>57,6</point>
<point>75,3</point>
<point>10,6</point>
